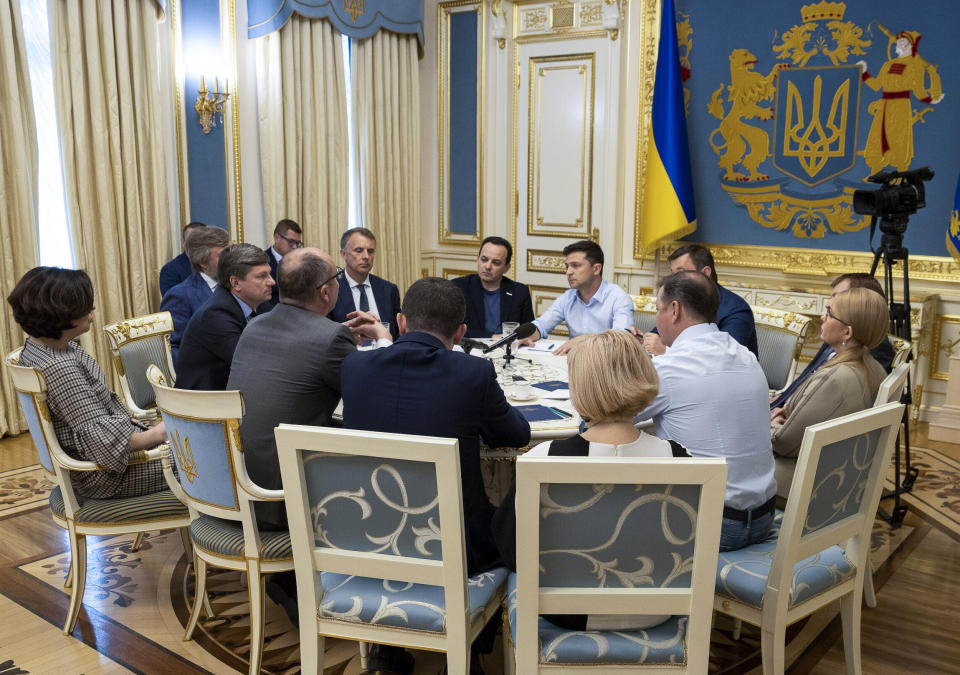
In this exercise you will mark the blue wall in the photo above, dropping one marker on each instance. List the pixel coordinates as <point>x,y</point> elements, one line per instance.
<point>463,108</point>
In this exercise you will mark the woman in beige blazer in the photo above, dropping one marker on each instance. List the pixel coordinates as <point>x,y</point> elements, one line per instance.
<point>855,322</point>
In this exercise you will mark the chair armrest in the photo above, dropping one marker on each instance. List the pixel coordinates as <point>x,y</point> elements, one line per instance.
<point>169,476</point>
<point>258,492</point>
<point>71,464</point>
<point>144,456</point>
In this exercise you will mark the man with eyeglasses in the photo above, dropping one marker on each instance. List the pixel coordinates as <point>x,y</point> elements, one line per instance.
<point>287,236</point>
<point>359,289</point>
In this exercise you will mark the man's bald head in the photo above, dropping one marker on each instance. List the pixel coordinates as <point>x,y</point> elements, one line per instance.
<point>301,273</point>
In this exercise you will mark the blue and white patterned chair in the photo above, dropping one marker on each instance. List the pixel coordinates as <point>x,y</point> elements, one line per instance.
<point>135,344</point>
<point>780,336</point>
<point>644,312</point>
<point>81,516</point>
<point>204,432</point>
<point>820,550</point>
<point>617,536</point>
<point>377,527</point>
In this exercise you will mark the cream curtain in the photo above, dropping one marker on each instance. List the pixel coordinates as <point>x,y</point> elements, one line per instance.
<point>108,108</point>
<point>386,89</point>
<point>18,190</point>
<point>301,100</point>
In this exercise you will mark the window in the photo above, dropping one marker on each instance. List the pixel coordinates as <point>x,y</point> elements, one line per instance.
<point>354,214</point>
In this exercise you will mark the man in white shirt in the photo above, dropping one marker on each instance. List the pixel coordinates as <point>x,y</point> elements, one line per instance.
<point>592,305</point>
<point>713,400</point>
<point>359,289</point>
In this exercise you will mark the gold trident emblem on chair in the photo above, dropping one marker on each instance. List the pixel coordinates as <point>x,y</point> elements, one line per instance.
<point>188,466</point>
<point>814,145</point>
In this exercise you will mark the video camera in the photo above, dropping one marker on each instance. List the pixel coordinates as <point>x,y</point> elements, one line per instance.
<point>900,195</point>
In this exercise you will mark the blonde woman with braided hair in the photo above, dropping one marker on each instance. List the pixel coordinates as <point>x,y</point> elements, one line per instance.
<point>855,321</point>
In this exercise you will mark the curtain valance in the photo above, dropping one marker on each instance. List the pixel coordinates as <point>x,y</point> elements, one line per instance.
<point>355,18</point>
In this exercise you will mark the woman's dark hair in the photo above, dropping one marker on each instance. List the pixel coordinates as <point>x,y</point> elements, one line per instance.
<point>47,300</point>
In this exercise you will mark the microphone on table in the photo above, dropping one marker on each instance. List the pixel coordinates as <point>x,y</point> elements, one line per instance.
<point>522,333</point>
<point>468,344</point>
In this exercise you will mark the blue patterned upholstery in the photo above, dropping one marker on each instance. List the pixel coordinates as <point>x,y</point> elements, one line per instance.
<point>589,535</point>
<point>372,504</point>
<point>775,348</point>
<point>662,644</point>
<point>203,461</point>
<point>136,356</point>
<point>404,605</point>
<point>121,510</point>
<point>838,486</point>
<point>742,575</point>
<point>36,429</point>
<point>225,538</point>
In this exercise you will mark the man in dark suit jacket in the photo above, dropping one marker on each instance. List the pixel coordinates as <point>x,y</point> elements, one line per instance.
<point>212,334</point>
<point>359,289</point>
<point>734,315</point>
<point>491,297</point>
<point>292,386</point>
<point>287,236</point>
<point>883,353</point>
<point>179,268</point>
<point>184,299</point>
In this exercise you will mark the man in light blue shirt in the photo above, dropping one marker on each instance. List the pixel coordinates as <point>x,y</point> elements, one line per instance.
<point>592,305</point>
<point>713,400</point>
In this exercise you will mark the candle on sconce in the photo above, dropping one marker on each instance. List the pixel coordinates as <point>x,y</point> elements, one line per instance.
<point>203,86</point>
<point>226,88</point>
<point>216,85</point>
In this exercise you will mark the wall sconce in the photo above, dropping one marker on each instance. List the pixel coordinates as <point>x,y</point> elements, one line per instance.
<point>208,107</point>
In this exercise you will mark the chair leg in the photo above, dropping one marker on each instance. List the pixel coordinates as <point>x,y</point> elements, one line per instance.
<point>506,640</point>
<point>458,660</point>
<point>188,549</point>
<point>737,626</point>
<point>772,648</point>
<point>869,594</point>
<point>850,616</point>
<point>68,582</point>
<point>255,591</point>
<point>78,561</point>
<point>364,654</point>
<point>137,542</point>
<point>199,593</point>
<point>311,650</point>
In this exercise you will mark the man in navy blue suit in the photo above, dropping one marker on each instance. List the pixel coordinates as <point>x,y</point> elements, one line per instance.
<point>179,268</point>
<point>287,236</point>
<point>206,350</point>
<point>734,315</point>
<point>493,298</point>
<point>419,386</point>
<point>183,300</point>
<point>359,289</point>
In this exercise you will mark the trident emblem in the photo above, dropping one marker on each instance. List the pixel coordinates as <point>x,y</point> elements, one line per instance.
<point>813,146</point>
<point>354,8</point>
<point>184,455</point>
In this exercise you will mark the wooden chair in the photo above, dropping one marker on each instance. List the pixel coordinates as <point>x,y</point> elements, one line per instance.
<point>819,550</point>
<point>377,527</point>
<point>616,536</point>
<point>78,515</point>
<point>135,344</point>
<point>901,349</point>
<point>644,312</point>
<point>204,432</point>
<point>780,337</point>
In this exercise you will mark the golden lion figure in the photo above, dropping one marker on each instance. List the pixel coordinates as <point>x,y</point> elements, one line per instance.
<point>746,90</point>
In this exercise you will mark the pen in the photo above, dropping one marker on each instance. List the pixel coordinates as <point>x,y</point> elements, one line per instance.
<point>564,414</point>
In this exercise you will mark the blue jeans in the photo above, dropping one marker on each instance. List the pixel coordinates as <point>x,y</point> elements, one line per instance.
<point>735,534</point>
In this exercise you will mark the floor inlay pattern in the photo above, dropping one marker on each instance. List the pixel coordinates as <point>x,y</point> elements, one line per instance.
<point>23,489</point>
<point>936,494</point>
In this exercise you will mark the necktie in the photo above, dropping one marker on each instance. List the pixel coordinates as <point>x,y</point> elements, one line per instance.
<point>251,315</point>
<point>364,305</point>
<point>822,357</point>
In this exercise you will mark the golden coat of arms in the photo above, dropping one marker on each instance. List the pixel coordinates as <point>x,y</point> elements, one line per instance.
<point>789,138</point>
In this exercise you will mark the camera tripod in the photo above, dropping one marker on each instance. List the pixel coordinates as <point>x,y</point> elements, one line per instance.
<point>891,251</point>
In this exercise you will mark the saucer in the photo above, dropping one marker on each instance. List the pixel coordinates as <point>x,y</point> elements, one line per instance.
<point>522,399</point>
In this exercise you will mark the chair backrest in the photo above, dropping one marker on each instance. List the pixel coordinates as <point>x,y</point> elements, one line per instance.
<point>618,536</point>
<point>203,429</point>
<point>835,492</point>
<point>135,344</point>
<point>644,312</point>
<point>891,389</point>
<point>386,506</point>
<point>780,337</point>
<point>901,349</point>
<point>31,388</point>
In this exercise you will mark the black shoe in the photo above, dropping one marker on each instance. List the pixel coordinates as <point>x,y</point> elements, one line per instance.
<point>389,659</point>
<point>279,595</point>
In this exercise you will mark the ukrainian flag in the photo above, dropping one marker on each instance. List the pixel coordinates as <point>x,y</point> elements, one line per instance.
<point>953,232</point>
<point>668,212</point>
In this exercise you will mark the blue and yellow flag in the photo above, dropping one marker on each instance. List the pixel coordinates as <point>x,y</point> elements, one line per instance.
<point>953,231</point>
<point>668,211</point>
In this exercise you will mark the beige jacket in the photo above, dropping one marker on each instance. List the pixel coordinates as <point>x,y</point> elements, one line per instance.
<point>831,392</point>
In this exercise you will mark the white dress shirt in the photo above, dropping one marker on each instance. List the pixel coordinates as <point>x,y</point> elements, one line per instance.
<point>211,282</point>
<point>714,401</point>
<point>610,307</point>
<point>355,289</point>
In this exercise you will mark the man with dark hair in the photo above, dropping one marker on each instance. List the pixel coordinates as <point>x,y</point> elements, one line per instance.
<point>179,268</point>
<point>183,300</point>
<point>212,334</point>
<point>359,289</point>
<point>287,236</point>
<point>592,305</point>
<point>420,386</point>
<point>882,353</point>
<point>734,315</point>
<point>713,401</point>
<point>493,298</point>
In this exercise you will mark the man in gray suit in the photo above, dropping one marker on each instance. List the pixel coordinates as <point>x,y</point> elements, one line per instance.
<point>288,363</point>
